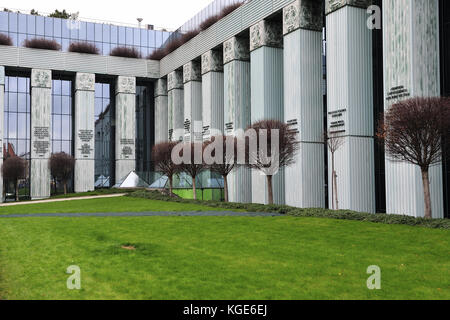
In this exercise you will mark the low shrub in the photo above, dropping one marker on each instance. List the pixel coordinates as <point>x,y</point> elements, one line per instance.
<point>125,52</point>
<point>41,43</point>
<point>209,22</point>
<point>157,54</point>
<point>5,40</point>
<point>229,9</point>
<point>299,212</point>
<point>83,47</point>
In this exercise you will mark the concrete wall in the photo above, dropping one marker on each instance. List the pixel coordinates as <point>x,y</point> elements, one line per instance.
<point>161,111</point>
<point>192,102</point>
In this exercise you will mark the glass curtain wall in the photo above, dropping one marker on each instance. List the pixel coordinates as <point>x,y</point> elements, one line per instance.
<point>16,128</point>
<point>104,135</point>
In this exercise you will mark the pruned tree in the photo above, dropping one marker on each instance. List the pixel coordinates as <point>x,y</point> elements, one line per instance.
<point>413,131</point>
<point>61,168</point>
<point>14,168</point>
<point>334,142</point>
<point>162,158</point>
<point>270,145</point>
<point>223,155</point>
<point>191,155</point>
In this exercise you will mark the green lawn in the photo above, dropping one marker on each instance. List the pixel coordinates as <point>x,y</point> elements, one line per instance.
<point>220,258</point>
<point>118,204</point>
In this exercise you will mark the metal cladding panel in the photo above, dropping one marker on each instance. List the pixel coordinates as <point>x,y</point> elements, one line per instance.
<point>161,119</point>
<point>176,114</point>
<point>193,111</point>
<point>354,162</point>
<point>303,108</point>
<point>229,26</point>
<point>255,11</point>
<point>411,64</point>
<point>153,69</point>
<point>9,56</point>
<point>212,104</point>
<point>127,66</point>
<point>79,62</point>
<point>267,103</point>
<point>37,58</point>
<point>280,4</point>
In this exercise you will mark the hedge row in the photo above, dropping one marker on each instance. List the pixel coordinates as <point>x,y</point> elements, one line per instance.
<point>297,212</point>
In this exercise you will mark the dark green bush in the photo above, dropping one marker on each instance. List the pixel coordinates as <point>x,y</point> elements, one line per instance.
<point>298,212</point>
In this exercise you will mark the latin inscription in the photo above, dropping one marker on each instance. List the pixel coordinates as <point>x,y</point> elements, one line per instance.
<point>41,145</point>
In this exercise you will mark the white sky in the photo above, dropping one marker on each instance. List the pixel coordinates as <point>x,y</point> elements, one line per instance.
<point>170,14</point>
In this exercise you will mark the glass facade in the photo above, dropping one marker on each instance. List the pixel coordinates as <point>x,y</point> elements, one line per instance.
<point>105,36</point>
<point>17,123</point>
<point>104,135</point>
<point>144,131</point>
<point>62,116</point>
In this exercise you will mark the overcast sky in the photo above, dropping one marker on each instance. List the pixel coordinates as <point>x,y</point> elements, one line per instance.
<point>162,13</point>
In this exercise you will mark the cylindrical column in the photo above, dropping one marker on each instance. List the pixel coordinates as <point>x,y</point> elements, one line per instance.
<point>175,116</point>
<point>192,102</point>
<point>125,126</point>
<point>350,104</point>
<point>303,101</point>
<point>237,111</point>
<point>266,60</point>
<point>41,141</point>
<point>2,107</point>
<point>411,69</point>
<point>84,132</point>
<point>161,111</point>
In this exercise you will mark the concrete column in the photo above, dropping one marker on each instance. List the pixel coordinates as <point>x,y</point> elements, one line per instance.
<point>161,111</point>
<point>212,93</point>
<point>411,69</point>
<point>41,140</point>
<point>125,126</point>
<point>266,60</point>
<point>237,111</point>
<point>84,132</point>
<point>2,107</point>
<point>303,101</point>
<point>175,115</point>
<point>192,102</point>
<point>350,103</point>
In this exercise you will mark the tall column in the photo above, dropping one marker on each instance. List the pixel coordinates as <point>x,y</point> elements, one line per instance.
<point>303,101</point>
<point>175,117</point>
<point>84,132</point>
<point>41,141</point>
<point>266,60</point>
<point>411,69</point>
<point>161,111</point>
<point>237,111</point>
<point>192,102</point>
<point>125,126</point>
<point>350,103</point>
<point>2,106</point>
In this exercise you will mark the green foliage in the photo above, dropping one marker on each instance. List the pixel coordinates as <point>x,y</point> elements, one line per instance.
<point>60,14</point>
<point>34,12</point>
<point>311,212</point>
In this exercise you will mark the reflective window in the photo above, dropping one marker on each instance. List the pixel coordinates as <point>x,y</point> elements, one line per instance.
<point>62,116</point>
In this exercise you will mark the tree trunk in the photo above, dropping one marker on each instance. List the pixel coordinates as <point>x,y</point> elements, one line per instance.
<point>334,199</point>
<point>426,193</point>
<point>225,187</point>
<point>171,186</point>
<point>270,189</point>
<point>194,189</point>
<point>335,190</point>
<point>65,187</point>
<point>16,188</point>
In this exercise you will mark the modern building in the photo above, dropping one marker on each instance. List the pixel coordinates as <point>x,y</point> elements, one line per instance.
<point>332,65</point>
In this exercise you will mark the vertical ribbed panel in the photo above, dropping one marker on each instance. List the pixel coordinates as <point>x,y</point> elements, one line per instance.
<point>2,107</point>
<point>303,108</point>
<point>411,60</point>
<point>193,111</point>
<point>212,103</point>
<point>237,117</point>
<point>175,114</point>
<point>161,119</point>
<point>350,89</point>
<point>267,103</point>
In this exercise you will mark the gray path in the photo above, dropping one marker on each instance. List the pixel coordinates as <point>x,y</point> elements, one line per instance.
<point>145,214</point>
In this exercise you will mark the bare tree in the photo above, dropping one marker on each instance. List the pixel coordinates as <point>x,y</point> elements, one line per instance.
<point>334,142</point>
<point>162,157</point>
<point>224,158</point>
<point>192,163</point>
<point>14,168</point>
<point>413,131</point>
<point>61,168</point>
<point>275,147</point>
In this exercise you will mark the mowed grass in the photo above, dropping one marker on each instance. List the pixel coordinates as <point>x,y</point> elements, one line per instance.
<point>220,258</point>
<point>117,204</point>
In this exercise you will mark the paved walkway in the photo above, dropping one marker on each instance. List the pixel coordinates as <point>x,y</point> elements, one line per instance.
<point>61,199</point>
<point>145,214</point>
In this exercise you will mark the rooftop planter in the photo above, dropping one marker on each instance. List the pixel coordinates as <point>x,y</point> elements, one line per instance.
<point>41,43</point>
<point>125,52</point>
<point>5,40</point>
<point>83,47</point>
